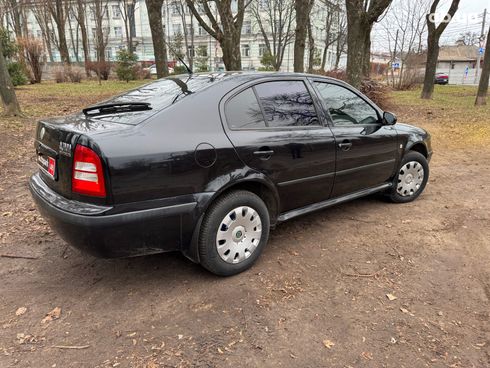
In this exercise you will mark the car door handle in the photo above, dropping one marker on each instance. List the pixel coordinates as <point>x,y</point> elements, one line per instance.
<point>345,145</point>
<point>264,153</point>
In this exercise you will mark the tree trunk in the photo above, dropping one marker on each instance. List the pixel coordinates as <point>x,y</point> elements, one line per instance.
<point>481,97</point>
<point>303,9</point>
<point>434,34</point>
<point>154,8</point>
<point>311,48</point>
<point>230,46</point>
<point>60,20</point>
<point>366,59</point>
<point>430,67</point>
<point>356,50</point>
<point>9,100</point>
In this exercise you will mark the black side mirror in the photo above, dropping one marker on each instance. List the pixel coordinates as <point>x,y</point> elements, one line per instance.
<point>389,118</point>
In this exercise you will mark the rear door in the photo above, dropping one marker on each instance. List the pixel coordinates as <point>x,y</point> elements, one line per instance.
<point>276,129</point>
<point>366,148</point>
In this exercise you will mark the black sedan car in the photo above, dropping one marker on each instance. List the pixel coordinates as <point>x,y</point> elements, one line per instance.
<point>206,164</point>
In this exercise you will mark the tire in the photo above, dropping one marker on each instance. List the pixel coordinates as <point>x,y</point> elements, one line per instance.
<point>407,184</point>
<point>228,250</point>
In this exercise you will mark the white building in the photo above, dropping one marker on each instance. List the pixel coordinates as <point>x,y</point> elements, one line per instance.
<point>252,43</point>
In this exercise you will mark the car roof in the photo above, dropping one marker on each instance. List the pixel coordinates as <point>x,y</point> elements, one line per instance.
<point>244,76</point>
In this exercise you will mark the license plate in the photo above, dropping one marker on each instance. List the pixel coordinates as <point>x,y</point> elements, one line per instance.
<point>47,164</point>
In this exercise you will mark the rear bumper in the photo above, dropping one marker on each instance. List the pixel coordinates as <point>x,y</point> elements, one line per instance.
<point>100,231</point>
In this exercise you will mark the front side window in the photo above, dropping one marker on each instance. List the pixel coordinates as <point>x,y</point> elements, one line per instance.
<point>286,104</point>
<point>345,107</point>
<point>243,111</point>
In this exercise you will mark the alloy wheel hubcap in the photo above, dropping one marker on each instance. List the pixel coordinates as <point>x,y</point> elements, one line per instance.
<point>238,234</point>
<point>410,178</point>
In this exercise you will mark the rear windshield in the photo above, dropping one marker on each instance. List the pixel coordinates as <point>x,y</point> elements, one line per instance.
<point>159,94</point>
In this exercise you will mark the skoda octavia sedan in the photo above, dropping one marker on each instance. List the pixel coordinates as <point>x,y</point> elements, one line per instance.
<point>206,164</point>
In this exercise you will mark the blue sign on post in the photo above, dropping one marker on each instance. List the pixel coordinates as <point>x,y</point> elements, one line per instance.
<point>481,50</point>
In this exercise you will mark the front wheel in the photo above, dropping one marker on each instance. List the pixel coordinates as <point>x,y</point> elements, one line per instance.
<point>234,232</point>
<point>411,179</point>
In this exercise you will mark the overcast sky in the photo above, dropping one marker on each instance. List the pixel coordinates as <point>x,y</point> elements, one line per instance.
<point>467,18</point>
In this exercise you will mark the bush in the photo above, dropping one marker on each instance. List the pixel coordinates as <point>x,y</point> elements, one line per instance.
<point>100,67</point>
<point>60,75</point>
<point>17,74</point>
<point>34,50</point>
<point>179,69</point>
<point>75,74</point>
<point>126,65</point>
<point>142,73</point>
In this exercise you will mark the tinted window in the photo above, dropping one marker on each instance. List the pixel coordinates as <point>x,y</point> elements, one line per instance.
<point>345,107</point>
<point>243,111</point>
<point>286,104</point>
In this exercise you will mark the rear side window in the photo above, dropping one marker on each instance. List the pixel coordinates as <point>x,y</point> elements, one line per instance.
<point>243,111</point>
<point>286,104</point>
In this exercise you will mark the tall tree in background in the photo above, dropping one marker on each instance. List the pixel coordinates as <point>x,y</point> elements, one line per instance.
<point>409,22</point>
<point>154,8</point>
<point>42,16</point>
<point>303,10</point>
<point>187,31</point>
<point>433,38</point>
<point>481,97</point>
<point>7,93</point>
<point>275,19</point>
<point>80,13</point>
<point>101,16</point>
<point>59,12</point>
<point>361,16</point>
<point>127,8</point>
<point>227,31</point>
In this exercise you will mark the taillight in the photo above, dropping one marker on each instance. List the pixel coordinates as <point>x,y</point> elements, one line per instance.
<point>88,177</point>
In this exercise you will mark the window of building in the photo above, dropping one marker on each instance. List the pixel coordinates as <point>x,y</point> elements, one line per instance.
<point>177,28</point>
<point>191,51</point>
<point>247,27</point>
<point>246,50</point>
<point>262,49</point>
<point>287,104</point>
<point>118,32</point>
<point>116,12</point>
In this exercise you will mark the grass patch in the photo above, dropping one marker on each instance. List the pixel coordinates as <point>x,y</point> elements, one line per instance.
<point>451,116</point>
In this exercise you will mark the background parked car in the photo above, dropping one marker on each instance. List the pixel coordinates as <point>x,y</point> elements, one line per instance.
<point>153,69</point>
<point>442,78</point>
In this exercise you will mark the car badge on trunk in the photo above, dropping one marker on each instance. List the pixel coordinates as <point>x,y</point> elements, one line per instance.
<point>65,149</point>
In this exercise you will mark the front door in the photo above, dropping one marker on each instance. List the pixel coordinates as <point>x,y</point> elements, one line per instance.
<point>366,148</point>
<point>275,129</point>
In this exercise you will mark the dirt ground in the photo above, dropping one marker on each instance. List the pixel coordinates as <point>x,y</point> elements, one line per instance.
<point>364,284</point>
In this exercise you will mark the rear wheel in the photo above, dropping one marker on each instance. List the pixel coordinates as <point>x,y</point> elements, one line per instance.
<point>411,179</point>
<point>234,232</point>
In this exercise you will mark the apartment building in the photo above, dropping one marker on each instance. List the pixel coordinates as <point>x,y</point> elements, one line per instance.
<point>252,42</point>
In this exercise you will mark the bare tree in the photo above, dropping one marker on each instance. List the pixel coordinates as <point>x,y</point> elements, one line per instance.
<point>469,38</point>
<point>188,30</point>
<point>226,29</point>
<point>17,16</point>
<point>7,93</point>
<point>59,13</point>
<point>275,20</point>
<point>481,97</point>
<point>433,38</point>
<point>154,8</point>
<point>361,16</point>
<point>80,15</point>
<point>127,8</point>
<point>43,19</point>
<point>100,14</point>
<point>34,50</point>
<point>303,10</point>
<point>409,20</point>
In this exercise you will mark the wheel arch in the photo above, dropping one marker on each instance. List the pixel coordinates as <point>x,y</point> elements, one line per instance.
<point>418,147</point>
<point>256,184</point>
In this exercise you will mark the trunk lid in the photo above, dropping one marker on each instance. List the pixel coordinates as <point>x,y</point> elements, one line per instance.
<point>55,143</point>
